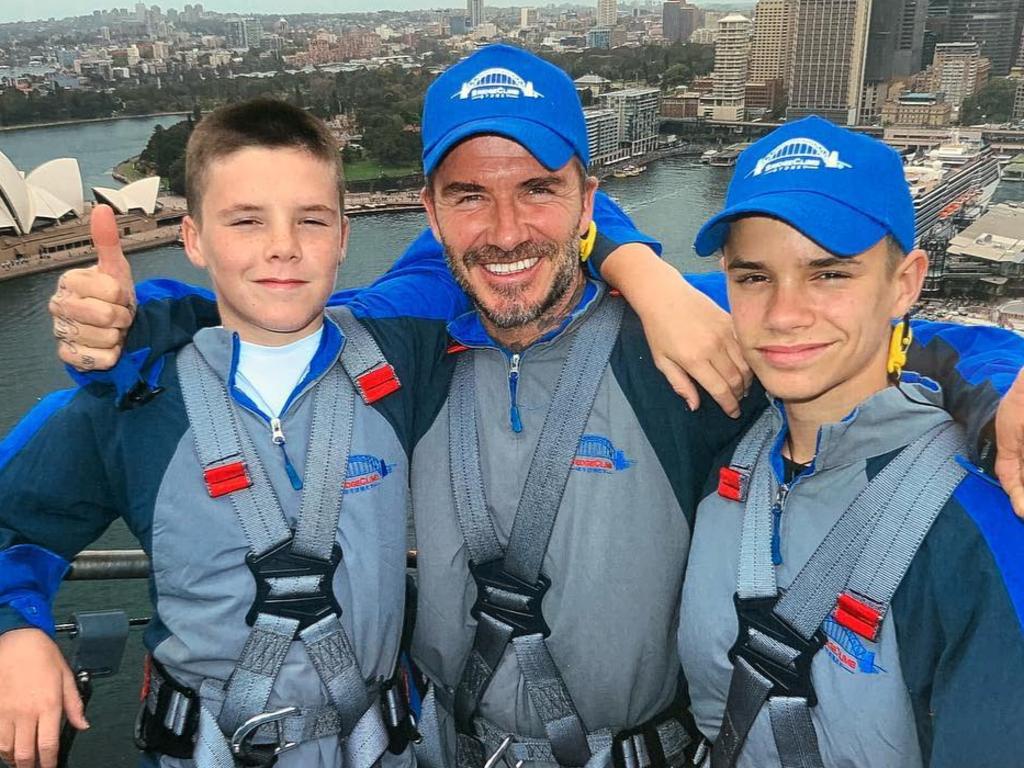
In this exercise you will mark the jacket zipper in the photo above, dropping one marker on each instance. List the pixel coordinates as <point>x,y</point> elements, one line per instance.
<point>513,391</point>
<point>780,502</point>
<point>277,438</point>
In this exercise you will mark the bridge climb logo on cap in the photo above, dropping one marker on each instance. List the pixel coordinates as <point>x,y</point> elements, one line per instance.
<point>508,92</point>
<point>843,190</point>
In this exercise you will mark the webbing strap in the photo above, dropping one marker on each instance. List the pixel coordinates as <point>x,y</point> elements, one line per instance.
<point>571,404</point>
<point>464,468</point>
<point>219,441</point>
<point>564,424</point>
<point>756,572</point>
<point>867,551</point>
<point>220,437</point>
<point>882,529</point>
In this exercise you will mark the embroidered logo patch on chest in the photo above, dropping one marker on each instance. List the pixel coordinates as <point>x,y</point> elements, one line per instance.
<point>597,454</point>
<point>847,650</point>
<point>365,472</point>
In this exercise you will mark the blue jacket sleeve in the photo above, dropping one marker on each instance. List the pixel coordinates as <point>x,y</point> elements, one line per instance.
<point>55,499</point>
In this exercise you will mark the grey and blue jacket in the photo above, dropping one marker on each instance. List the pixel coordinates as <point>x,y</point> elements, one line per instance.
<point>940,686</point>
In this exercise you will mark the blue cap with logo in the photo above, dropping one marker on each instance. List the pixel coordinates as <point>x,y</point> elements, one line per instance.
<point>510,92</point>
<point>843,190</point>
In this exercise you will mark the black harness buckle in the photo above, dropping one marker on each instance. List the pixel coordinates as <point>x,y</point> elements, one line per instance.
<point>152,730</point>
<point>794,679</point>
<point>508,599</point>
<point>306,607</point>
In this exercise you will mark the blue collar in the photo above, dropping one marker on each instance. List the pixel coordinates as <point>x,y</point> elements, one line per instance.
<point>469,329</point>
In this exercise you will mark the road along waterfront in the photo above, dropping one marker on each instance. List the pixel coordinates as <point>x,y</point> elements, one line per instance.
<point>670,200</point>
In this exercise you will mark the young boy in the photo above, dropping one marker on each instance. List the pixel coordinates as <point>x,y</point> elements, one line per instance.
<point>266,485</point>
<point>852,485</point>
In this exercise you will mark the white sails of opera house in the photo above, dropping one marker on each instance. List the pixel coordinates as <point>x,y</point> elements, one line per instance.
<point>53,192</point>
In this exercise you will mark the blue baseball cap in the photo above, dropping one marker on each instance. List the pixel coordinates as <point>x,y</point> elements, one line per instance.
<point>843,190</point>
<point>510,92</point>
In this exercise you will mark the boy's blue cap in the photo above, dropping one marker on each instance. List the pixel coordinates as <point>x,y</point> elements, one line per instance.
<point>509,92</point>
<point>843,190</point>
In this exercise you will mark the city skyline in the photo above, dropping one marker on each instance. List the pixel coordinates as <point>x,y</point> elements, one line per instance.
<point>27,10</point>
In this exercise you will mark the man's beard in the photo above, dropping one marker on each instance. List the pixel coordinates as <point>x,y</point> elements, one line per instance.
<point>517,314</point>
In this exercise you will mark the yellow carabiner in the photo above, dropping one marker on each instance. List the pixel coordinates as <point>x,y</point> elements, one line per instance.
<point>899,343</point>
<point>587,242</point>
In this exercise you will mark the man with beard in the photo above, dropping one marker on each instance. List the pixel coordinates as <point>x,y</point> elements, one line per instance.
<point>554,471</point>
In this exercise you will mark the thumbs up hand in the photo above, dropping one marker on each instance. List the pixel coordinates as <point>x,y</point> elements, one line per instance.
<point>93,307</point>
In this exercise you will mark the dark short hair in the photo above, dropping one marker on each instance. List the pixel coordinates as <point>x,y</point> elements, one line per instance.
<point>262,122</point>
<point>894,254</point>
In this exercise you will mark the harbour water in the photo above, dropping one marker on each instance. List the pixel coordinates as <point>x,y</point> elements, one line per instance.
<point>670,200</point>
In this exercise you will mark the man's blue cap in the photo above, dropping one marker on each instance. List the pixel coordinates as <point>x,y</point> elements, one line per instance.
<point>509,92</point>
<point>843,190</point>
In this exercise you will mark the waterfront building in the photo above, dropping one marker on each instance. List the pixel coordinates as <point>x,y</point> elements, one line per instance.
<point>732,50</point>
<point>636,111</point>
<point>994,24</point>
<point>828,59</point>
<point>603,137</point>
<point>681,105</point>
<point>988,257</point>
<point>607,13</point>
<point>959,71</point>
<point>771,48</point>
<point>48,194</point>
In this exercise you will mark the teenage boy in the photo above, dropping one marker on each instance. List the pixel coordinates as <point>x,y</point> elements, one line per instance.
<point>854,590</point>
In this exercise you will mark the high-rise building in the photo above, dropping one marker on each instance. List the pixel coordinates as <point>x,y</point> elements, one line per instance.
<point>994,24</point>
<point>771,49</point>
<point>732,50</point>
<point>678,20</point>
<point>607,13</point>
<point>603,136</point>
<point>253,33</point>
<point>599,37</point>
<point>827,72</point>
<point>895,40</point>
<point>959,71</point>
<point>671,21</point>
<point>636,111</point>
<point>527,17</point>
<point>474,12</point>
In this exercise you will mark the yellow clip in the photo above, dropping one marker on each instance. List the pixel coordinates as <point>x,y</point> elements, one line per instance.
<point>899,343</point>
<point>587,242</point>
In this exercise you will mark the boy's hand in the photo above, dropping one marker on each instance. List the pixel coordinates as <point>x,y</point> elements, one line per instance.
<point>36,686</point>
<point>1010,444</point>
<point>94,307</point>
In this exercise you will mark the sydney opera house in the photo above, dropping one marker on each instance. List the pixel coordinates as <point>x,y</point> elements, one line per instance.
<point>53,192</point>
<point>44,215</point>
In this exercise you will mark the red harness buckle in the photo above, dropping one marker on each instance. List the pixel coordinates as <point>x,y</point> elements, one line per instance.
<point>859,615</point>
<point>377,383</point>
<point>732,483</point>
<point>227,478</point>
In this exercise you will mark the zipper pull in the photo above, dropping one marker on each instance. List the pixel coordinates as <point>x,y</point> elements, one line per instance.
<point>277,437</point>
<point>513,391</point>
<point>780,500</point>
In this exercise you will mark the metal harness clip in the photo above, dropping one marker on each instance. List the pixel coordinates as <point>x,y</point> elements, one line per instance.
<point>261,755</point>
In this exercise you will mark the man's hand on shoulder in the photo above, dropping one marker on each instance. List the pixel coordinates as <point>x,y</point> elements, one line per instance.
<point>36,688</point>
<point>1010,444</point>
<point>93,308</point>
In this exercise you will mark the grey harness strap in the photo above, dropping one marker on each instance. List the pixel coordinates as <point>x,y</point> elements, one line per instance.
<point>221,441</point>
<point>510,585</point>
<point>862,559</point>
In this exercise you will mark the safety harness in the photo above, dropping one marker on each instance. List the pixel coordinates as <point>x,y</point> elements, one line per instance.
<point>509,582</point>
<point>862,561</point>
<point>294,572</point>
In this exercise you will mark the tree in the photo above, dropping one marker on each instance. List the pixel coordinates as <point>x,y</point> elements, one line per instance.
<point>992,104</point>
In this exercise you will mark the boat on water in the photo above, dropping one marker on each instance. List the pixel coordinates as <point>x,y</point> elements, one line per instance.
<point>628,171</point>
<point>951,178</point>
<point>706,156</point>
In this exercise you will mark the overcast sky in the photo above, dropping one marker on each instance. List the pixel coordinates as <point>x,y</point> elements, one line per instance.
<point>28,10</point>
